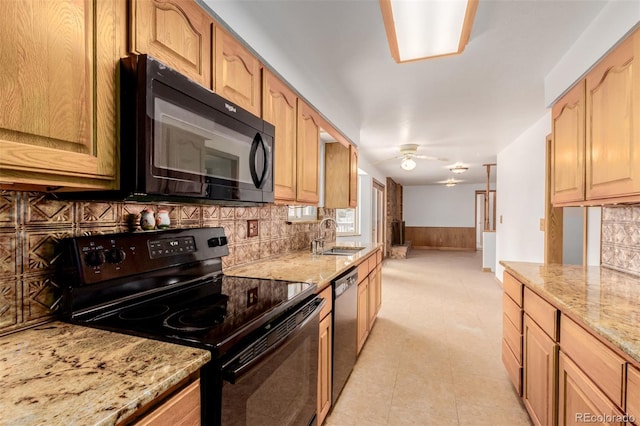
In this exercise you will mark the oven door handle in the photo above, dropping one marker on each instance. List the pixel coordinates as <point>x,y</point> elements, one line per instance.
<point>235,368</point>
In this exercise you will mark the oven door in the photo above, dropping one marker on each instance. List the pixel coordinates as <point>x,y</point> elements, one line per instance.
<point>278,386</point>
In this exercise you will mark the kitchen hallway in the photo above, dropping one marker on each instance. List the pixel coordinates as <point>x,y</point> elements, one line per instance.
<point>433,356</point>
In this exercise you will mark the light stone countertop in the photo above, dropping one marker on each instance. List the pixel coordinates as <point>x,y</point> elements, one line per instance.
<point>605,300</point>
<point>64,374</point>
<point>302,266</point>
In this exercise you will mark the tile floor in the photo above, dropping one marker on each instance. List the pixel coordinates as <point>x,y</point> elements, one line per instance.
<point>433,356</point>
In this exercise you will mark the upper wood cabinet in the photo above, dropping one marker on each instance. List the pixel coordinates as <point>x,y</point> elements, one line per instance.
<point>567,156</point>
<point>307,154</point>
<point>340,176</point>
<point>613,123</point>
<point>177,33</point>
<point>58,95</point>
<point>279,107</point>
<point>237,72</point>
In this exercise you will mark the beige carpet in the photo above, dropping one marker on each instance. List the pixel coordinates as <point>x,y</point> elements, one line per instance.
<point>433,356</point>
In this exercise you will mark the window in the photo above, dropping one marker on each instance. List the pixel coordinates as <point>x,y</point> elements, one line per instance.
<point>349,219</point>
<point>302,213</point>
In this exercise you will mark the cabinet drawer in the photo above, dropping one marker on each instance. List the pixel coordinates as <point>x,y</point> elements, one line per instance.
<point>513,367</point>
<point>600,363</point>
<point>327,294</point>
<point>181,409</point>
<point>373,260</point>
<point>512,311</point>
<point>512,287</point>
<point>513,337</point>
<point>363,270</point>
<point>542,312</point>
<point>633,393</point>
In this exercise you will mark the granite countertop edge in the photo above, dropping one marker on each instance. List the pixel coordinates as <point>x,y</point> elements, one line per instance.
<point>602,299</point>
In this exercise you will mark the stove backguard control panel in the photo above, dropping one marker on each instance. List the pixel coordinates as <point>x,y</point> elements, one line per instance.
<point>102,258</point>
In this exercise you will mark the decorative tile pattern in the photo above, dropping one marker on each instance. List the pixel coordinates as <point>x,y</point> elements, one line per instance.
<point>10,261</point>
<point>8,208</point>
<point>41,298</point>
<point>40,210</point>
<point>32,225</point>
<point>9,302</point>
<point>620,238</point>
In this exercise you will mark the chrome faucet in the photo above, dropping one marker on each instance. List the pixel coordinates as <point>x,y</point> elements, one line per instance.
<point>317,245</point>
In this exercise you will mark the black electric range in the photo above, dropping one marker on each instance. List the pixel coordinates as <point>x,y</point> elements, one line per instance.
<point>169,285</point>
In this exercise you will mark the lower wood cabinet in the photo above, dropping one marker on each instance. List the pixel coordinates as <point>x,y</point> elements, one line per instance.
<point>182,409</point>
<point>580,400</point>
<point>369,295</point>
<point>363,312</point>
<point>540,372</point>
<point>633,393</point>
<point>324,368</point>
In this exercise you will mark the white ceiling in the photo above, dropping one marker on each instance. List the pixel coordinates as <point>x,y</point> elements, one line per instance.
<point>465,108</point>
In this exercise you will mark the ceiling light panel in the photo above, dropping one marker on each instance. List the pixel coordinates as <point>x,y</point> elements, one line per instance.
<point>418,29</point>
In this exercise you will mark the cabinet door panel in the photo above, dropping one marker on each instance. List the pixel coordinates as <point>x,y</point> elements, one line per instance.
<point>539,370</point>
<point>580,397</point>
<point>182,409</point>
<point>279,108</point>
<point>568,121</point>
<point>308,154</point>
<point>57,124</point>
<point>324,368</point>
<point>353,176</point>
<point>237,72</point>
<point>363,312</point>
<point>177,33</point>
<point>612,119</point>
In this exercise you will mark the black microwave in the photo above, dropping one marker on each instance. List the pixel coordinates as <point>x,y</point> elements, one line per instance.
<point>182,142</point>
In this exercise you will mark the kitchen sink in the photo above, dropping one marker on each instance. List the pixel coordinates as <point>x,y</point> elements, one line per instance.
<point>341,251</point>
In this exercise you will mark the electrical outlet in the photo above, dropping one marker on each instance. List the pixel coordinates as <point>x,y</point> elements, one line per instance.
<point>252,296</point>
<point>252,228</point>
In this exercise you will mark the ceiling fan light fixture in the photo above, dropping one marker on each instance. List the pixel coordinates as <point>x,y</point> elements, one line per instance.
<point>459,169</point>
<point>408,164</point>
<point>426,29</point>
<point>450,184</point>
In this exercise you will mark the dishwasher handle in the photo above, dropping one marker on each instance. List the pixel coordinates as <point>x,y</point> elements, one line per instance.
<point>345,283</point>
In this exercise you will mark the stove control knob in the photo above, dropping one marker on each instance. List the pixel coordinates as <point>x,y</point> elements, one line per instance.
<point>115,255</point>
<point>94,258</point>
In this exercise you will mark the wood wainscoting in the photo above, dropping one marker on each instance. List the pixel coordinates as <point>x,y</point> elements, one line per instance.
<point>442,238</point>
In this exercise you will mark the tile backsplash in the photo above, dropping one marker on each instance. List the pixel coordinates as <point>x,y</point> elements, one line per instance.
<point>32,224</point>
<point>621,238</point>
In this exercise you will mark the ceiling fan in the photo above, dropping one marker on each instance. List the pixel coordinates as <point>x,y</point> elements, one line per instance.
<point>407,153</point>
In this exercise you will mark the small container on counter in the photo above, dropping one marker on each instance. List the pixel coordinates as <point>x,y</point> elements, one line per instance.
<point>147,220</point>
<point>162,219</point>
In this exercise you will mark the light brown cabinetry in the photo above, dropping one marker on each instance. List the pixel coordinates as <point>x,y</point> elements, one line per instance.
<point>341,176</point>
<point>613,123</point>
<point>182,409</point>
<point>324,368</point>
<point>279,107</point>
<point>58,118</point>
<point>568,127</point>
<point>237,72</point>
<point>177,33</point>
<point>369,296</point>
<point>512,329</point>
<point>540,359</point>
<point>633,393</point>
<point>307,154</point>
<point>596,148</point>
<point>580,397</point>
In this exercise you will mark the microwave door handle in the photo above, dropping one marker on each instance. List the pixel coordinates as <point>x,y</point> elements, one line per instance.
<point>234,370</point>
<point>257,142</point>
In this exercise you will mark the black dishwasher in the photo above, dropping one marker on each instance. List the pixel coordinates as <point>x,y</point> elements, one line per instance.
<point>345,319</point>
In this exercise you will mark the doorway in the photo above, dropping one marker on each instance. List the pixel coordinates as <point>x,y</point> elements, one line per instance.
<point>378,212</point>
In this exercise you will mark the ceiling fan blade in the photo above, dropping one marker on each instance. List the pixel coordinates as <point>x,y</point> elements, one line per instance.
<point>428,157</point>
<point>388,159</point>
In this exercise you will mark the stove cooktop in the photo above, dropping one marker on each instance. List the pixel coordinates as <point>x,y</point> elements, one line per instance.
<point>169,285</point>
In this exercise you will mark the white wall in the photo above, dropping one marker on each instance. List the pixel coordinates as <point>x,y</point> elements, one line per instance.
<point>438,205</point>
<point>615,20</point>
<point>594,235</point>
<point>572,235</point>
<point>520,196</point>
